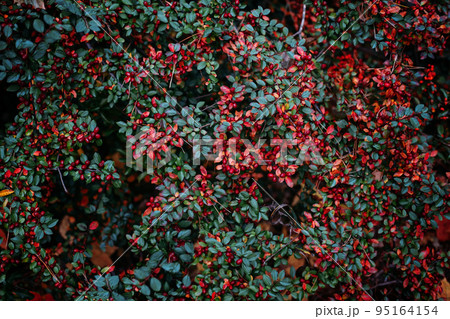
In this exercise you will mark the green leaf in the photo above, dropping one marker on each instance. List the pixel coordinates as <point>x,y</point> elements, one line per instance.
<point>306,94</point>
<point>80,26</point>
<point>52,36</point>
<point>82,226</point>
<point>249,28</point>
<point>187,281</point>
<point>341,123</point>
<point>24,44</point>
<point>145,290</point>
<point>414,122</point>
<point>419,108</point>
<point>307,110</point>
<point>162,17</point>
<point>262,100</point>
<point>38,25</point>
<point>141,273</point>
<point>201,65</point>
<point>155,284</point>
<point>253,203</point>
<point>190,17</point>
<point>267,280</point>
<point>48,19</point>
<point>270,98</point>
<point>7,31</point>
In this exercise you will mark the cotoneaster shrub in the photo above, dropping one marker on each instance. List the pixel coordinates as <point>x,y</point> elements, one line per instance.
<point>365,82</point>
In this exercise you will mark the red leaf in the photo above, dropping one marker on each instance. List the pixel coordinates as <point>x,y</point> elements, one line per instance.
<point>3,237</point>
<point>366,297</point>
<point>405,283</point>
<point>372,270</point>
<point>289,182</point>
<point>330,130</point>
<point>224,89</point>
<point>93,225</point>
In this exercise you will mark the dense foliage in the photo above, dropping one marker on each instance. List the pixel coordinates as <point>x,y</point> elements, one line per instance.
<point>365,82</point>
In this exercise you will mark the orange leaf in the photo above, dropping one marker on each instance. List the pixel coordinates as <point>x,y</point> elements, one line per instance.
<point>6,192</point>
<point>148,211</point>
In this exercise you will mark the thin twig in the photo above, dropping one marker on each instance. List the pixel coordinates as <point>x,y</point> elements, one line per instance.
<point>276,252</point>
<point>7,239</point>
<point>220,214</point>
<point>318,244</point>
<point>62,181</point>
<point>387,283</point>
<point>299,32</point>
<point>390,23</point>
<point>208,107</point>
<point>48,268</point>
<point>303,21</point>
<point>173,72</point>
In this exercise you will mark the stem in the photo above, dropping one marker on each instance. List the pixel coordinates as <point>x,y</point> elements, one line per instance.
<point>303,21</point>
<point>62,181</point>
<point>48,268</point>
<point>387,283</point>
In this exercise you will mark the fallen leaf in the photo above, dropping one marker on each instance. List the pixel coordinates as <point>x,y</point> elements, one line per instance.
<point>34,3</point>
<point>64,226</point>
<point>102,258</point>
<point>377,175</point>
<point>443,229</point>
<point>445,290</point>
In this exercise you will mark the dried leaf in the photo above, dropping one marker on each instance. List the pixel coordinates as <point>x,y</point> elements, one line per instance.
<point>64,226</point>
<point>377,175</point>
<point>102,258</point>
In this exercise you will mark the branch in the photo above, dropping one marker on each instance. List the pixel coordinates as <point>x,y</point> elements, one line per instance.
<point>303,21</point>
<point>48,268</point>
<point>302,24</point>
<point>90,47</point>
<point>62,181</point>
<point>387,283</point>
<point>173,72</point>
